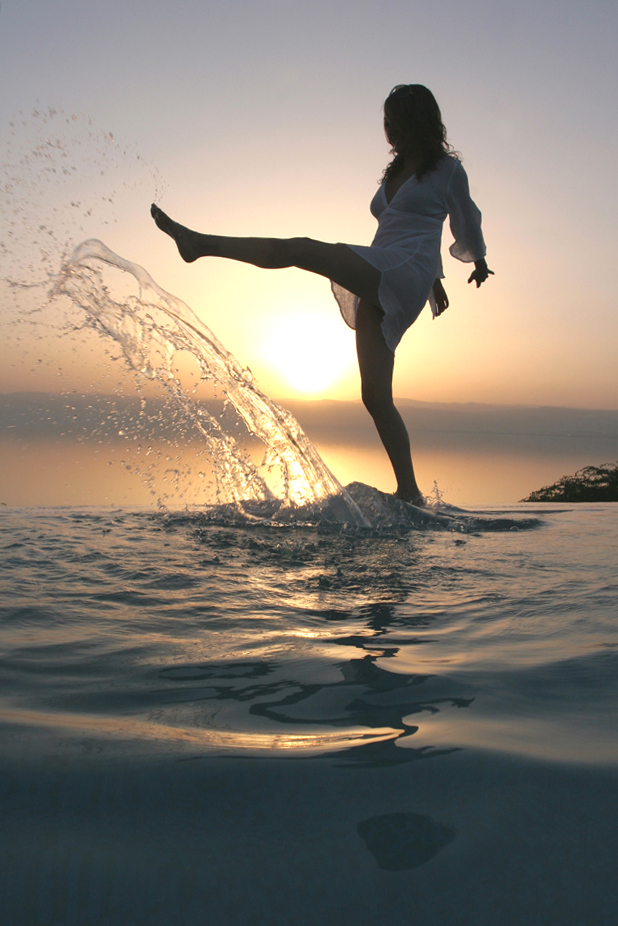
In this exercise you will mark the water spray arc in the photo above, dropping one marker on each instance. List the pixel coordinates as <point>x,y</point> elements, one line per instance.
<point>150,329</point>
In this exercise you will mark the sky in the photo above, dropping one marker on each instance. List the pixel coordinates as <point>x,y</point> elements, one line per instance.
<point>264,118</point>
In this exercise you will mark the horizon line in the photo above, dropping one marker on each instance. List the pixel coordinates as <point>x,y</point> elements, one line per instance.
<point>315,401</point>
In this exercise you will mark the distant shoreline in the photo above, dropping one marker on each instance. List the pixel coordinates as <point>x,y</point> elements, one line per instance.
<point>54,415</point>
<point>540,420</point>
<point>88,449</point>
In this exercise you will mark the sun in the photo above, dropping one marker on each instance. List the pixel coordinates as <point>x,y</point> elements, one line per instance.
<point>310,349</point>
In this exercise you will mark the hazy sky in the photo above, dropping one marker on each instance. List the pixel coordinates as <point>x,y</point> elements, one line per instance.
<point>265,118</point>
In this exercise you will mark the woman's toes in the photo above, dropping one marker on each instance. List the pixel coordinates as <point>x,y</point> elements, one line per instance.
<point>162,220</point>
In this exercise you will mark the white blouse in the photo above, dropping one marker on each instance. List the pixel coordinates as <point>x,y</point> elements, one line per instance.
<point>406,248</point>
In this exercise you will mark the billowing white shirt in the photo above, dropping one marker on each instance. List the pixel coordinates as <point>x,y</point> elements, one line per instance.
<point>406,247</point>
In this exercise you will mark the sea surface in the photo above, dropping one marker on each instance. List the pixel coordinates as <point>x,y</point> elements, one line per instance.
<point>211,717</point>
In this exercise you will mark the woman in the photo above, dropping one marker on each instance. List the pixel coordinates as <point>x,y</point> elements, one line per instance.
<point>381,289</point>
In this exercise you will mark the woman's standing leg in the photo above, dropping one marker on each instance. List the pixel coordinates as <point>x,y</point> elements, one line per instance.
<point>376,362</point>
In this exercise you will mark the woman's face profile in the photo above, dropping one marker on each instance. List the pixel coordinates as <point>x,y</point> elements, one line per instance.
<point>386,130</point>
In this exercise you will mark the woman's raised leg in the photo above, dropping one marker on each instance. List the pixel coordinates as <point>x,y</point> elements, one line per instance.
<point>376,362</point>
<point>337,262</point>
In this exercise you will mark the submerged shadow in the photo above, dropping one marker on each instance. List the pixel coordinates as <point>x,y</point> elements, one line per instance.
<point>399,841</point>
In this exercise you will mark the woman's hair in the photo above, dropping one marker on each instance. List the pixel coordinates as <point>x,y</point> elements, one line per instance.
<point>413,124</point>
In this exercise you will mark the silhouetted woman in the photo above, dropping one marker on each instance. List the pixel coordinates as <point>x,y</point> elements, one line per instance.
<point>381,289</point>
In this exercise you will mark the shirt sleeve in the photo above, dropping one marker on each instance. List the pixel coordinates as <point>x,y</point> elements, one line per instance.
<point>464,218</point>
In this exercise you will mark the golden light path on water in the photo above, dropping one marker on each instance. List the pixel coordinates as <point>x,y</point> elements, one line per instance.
<point>138,733</point>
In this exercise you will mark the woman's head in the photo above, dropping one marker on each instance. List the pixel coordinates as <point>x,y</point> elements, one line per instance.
<point>414,128</point>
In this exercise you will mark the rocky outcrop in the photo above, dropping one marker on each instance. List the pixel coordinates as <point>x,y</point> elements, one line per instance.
<point>590,484</point>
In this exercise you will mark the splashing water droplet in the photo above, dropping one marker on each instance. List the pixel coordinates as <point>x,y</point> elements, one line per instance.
<point>150,329</point>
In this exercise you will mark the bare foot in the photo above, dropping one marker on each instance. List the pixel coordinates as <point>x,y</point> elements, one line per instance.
<point>417,500</point>
<point>190,244</point>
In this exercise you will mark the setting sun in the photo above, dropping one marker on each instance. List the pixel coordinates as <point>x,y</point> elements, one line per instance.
<point>311,350</point>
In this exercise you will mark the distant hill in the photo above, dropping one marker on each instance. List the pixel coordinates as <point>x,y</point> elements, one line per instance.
<point>469,417</point>
<point>590,484</point>
<point>55,412</point>
<point>591,434</point>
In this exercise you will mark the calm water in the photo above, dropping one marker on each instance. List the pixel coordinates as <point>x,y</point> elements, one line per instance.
<point>224,721</point>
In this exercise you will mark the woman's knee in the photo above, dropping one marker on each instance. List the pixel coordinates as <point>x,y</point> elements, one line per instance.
<point>370,401</point>
<point>307,254</point>
<point>276,253</point>
<point>376,398</point>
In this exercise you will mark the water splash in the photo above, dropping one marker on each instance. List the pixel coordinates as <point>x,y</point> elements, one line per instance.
<point>150,326</point>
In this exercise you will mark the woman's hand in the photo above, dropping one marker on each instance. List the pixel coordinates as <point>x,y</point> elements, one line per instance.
<point>480,273</point>
<point>439,294</point>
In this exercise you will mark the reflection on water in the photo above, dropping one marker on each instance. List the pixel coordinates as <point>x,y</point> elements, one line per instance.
<point>374,648</point>
<point>365,697</point>
<point>68,472</point>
